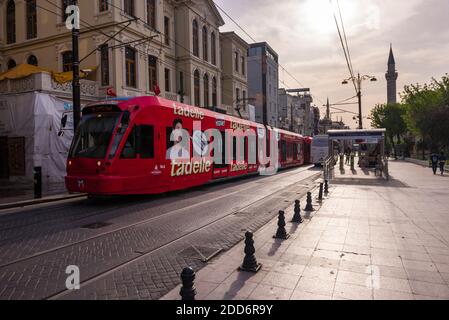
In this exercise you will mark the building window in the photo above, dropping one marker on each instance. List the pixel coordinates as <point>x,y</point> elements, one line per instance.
<point>11,64</point>
<point>151,13</point>
<point>67,61</point>
<point>103,5</point>
<point>196,88</point>
<point>213,49</point>
<point>181,85</point>
<point>214,91</point>
<point>242,58</point>
<point>10,22</point>
<point>236,61</point>
<point>130,60</point>
<point>104,56</point>
<point>31,19</point>
<point>129,7</point>
<point>205,46</point>
<point>152,72</point>
<point>32,60</point>
<point>206,91</point>
<point>167,80</point>
<point>195,38</point>
<point>167,30</point>
<point>244,99</point>
<point>237,95</point>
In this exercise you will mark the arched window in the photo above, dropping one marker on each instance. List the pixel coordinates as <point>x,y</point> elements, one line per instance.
<point>32,60</point>
<point>10,22</point>
<point>214,92</point>
<point>236,61</point>
<point>151,13</point>
<point>206,91</point>
<point>31,19</point>
<point>205,46</point>
<point>213,49</point>
<point>242,58</point>
<point>195,38</point>
<point>11,64</point>
<point>130,66</point>
<point>196,88</point>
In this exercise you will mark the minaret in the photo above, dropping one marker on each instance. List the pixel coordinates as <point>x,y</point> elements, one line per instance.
<point>328,112</point>
<point>391,77</point>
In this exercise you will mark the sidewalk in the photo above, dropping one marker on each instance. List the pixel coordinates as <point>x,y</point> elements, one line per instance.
<point>370,239</point>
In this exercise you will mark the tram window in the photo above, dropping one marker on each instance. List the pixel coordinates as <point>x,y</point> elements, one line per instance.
<point>283,150</point>
<point>129,149</point>
<point>245,148</point>
<point>146,142</point>
<point>295,151</point>
<point>222,146</point>
<point>234,148</point>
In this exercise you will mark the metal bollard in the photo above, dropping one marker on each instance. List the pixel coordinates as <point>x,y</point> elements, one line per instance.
<point>309,206</point>
<point>281,233</point>
<point>37,182</point>
<point>326,186</point>
<point>250,263</point>
<point>297,216</point>
<point>320,194</point>
<point>188,290</point>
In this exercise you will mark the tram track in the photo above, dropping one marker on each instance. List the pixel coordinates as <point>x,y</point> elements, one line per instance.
<point>143,255</point>
<point>251,185</point>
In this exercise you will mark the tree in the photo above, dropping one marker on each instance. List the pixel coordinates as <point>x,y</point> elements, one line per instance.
<point>391,117</point>
<point>427,112</point>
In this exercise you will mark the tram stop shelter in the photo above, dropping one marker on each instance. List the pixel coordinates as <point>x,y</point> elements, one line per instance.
<point>368,144</point>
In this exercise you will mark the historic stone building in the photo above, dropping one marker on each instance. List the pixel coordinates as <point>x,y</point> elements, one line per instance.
<point>234,77</point>
<point>391,77</point>
<point>173,45</point>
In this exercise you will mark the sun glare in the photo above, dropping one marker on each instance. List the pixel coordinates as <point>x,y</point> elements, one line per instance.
<point>319,14</point>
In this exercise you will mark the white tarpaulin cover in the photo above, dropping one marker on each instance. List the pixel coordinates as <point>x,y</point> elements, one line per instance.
<point>37,117</point>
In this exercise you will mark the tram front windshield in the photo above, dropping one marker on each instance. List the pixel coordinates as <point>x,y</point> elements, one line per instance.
<point>93,135</point>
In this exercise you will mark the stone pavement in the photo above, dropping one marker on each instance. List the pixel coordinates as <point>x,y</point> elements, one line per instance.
<point>370,239</point>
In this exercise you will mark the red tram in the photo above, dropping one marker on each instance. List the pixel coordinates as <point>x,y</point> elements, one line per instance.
<point>122,145</point>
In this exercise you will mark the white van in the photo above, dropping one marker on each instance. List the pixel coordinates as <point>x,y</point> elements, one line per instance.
<point>320,149</point>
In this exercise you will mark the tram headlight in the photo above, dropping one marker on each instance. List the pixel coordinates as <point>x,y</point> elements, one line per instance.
<point>70,163</point>
<point>99,163</point>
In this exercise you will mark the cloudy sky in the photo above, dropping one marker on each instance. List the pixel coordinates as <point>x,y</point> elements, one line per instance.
<point>304,34</point>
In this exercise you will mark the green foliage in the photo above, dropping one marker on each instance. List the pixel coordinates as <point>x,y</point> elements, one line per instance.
<point>427,111</point>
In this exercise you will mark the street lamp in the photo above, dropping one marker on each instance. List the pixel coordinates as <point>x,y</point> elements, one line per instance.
<point>358,81</point>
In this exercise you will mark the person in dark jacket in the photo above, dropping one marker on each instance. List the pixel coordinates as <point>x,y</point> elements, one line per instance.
<point>434,161</point>
<point>442,160</point>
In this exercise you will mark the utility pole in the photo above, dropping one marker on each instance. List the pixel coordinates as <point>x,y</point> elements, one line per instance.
<point>358,85</point>
<point>76,69</point>
<point>359,97</point>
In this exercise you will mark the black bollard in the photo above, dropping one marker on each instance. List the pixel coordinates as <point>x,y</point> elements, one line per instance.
<point>188,290</point>
<point>309,206</point>
<point>297,216</point>
<point>326,186</point>
<point>320,194</point>
<point>250,263</point>
<point>281,233</point>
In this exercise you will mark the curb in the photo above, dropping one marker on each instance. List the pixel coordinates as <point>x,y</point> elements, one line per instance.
<point>39,201</point>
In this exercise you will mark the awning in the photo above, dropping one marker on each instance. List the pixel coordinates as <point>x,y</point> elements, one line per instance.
<point>25,70</point>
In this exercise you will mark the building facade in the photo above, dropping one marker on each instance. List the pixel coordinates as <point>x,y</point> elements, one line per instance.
<point>134,46</point>
<point>263,82</point>
<point>234,74</point>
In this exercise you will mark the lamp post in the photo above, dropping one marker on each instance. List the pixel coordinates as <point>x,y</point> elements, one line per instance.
<point>358,81</point>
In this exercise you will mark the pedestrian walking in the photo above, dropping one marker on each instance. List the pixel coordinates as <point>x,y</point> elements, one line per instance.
<point>442,159</point>
<point>347,155</point>
<point>434,161</point>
